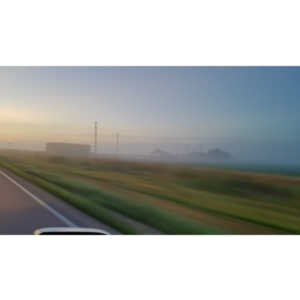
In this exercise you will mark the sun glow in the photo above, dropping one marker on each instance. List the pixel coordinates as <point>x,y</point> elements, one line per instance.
<point>17,116</point>
<point>21,124</point>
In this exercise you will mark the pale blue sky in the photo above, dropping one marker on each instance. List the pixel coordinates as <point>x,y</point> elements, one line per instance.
<point>259,105</point>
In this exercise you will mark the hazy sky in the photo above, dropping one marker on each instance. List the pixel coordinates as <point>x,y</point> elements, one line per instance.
<point>237,108</point>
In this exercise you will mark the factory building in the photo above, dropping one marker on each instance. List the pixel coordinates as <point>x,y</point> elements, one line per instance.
<point>65,149</point>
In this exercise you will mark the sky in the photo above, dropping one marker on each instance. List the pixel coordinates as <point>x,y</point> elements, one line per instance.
<point>249,111</point>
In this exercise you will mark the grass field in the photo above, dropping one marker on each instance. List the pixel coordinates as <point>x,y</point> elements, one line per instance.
<point>172,199</point>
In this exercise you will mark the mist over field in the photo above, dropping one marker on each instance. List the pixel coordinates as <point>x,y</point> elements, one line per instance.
<point>151,150</point>
<point>263,152</point>
<point>150,197</point>
<point>250,112</point>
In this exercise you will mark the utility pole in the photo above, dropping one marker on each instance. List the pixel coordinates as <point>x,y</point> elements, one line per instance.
<point>96,138</point>
<point>187,148</point>
<point>200,148</point>
<point>117,143</point>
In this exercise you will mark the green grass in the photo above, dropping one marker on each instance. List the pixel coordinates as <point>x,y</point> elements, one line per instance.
<point>83,203</point>
<point>173,199</point>
<point>101,204</point>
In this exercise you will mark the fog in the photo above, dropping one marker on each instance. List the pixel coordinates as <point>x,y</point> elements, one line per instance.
<point>274,152</point>
<point>249,114</point>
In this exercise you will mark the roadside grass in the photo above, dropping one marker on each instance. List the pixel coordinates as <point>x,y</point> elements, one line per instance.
<point>83,203</point>
<point>270,200</point>
<point>262,201</point>
<point>101,204</point>
<point>264,212</point>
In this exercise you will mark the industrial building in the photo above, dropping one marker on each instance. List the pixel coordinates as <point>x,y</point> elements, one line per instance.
<point>66,149</point>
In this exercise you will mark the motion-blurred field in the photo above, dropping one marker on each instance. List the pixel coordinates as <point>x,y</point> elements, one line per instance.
<point>140,197</point>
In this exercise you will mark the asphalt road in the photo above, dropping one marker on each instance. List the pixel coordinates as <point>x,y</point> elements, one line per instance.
<point>25,208</point>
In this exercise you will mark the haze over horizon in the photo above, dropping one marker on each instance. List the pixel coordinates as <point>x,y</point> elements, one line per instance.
<point>251,112</point>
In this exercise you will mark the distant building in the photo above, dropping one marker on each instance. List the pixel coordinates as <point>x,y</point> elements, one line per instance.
<point>66,149</point>
<point>214,155</point>
<point>218,154</point>
<point>161,155</point>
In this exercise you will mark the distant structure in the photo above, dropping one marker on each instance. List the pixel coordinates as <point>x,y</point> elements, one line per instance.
<point>66,149</point>
<point>161,155</point>
<point>213,155</point>
<point>218,154</point>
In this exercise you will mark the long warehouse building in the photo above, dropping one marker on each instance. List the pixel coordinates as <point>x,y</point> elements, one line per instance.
<point>66,149</point>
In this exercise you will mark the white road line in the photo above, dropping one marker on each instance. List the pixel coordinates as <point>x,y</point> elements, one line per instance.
<point>41,202</point>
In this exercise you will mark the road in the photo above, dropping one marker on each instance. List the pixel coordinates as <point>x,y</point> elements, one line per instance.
<point>25,207</point>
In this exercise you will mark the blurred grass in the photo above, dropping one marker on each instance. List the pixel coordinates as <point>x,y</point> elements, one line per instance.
<point>101,204</point>
<point>174,199</point>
